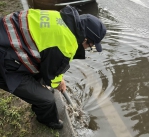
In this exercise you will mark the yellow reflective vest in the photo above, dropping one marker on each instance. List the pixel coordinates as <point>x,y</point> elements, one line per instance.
<point>40,31</point>
<point>48,30</point>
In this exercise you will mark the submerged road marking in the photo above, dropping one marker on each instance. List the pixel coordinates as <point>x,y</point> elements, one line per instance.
<point>113,118</point>
<point>115,121</point>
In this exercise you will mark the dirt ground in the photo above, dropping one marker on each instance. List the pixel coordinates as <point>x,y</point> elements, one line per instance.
<point>16,117</point>
<point>8,6</point>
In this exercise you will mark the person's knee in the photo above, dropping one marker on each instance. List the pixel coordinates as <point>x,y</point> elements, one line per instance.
<point>44,103</point>
<point>48,97</point>
<point>51,100</point>
<point>48,100</point>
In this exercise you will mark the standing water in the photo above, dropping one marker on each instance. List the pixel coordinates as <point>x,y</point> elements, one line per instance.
<point>112,86</point>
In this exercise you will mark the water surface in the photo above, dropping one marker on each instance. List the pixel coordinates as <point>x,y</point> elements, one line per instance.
<point>112,86</point>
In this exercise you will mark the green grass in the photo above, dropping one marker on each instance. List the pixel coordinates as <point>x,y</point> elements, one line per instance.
<point>2,4</point>
<point>18,120</point>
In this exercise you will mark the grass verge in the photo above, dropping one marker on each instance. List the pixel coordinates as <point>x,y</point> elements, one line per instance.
<point>18,120</point>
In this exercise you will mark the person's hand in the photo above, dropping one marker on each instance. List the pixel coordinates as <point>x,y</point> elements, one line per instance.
<point>62,86</point>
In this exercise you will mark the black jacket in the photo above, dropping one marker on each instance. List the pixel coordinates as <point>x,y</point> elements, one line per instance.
<point>72,19</point>
<point>11,68</point>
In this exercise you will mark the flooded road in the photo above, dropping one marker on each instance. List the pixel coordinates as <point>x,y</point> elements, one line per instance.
<point>113,86</point>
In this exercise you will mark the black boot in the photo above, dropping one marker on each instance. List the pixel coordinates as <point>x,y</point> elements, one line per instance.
<point>55,125</point>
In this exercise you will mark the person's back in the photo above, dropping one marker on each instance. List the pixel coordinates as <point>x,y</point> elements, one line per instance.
<point>34,34</point>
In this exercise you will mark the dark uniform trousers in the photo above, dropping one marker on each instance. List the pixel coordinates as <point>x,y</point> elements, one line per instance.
<point>41,98</point>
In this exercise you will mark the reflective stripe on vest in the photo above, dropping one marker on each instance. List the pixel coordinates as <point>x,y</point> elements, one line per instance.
<point>26,35</point>
<point>16,44</point>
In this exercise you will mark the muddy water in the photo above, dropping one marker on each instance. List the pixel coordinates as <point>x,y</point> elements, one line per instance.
<point>113,86</point>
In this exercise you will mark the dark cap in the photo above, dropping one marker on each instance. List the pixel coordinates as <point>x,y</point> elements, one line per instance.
<point>94,29</point>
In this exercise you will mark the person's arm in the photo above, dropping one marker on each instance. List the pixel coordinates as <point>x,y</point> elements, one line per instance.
<point>62,86</point>
<point>56,82</point>
<point>53,65</point>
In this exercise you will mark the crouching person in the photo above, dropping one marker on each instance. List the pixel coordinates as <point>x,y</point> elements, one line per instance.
<point>39,44</point>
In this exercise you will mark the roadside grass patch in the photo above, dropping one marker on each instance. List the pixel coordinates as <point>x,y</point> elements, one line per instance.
<point>2,4</point>
<point>18,120</point>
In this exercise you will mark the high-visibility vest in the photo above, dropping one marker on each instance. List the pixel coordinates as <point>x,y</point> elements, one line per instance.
<point>16,42</point>
<point>40,29</point>
<point>49,30</point>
